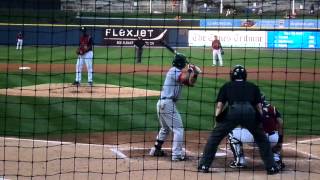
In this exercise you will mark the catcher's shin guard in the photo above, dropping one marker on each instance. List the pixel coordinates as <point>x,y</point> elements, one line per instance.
<point>237,149</point>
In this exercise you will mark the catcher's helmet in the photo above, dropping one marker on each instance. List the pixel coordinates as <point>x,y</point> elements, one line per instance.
<point>179,61</point>
<point>238,72</point>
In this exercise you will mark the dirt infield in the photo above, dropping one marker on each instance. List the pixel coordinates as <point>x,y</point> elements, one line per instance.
<point>124,155</point>
<point>70,91</point>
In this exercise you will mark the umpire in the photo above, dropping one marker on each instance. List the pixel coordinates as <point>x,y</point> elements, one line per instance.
<point>139,43</point>
<point>244,108</point>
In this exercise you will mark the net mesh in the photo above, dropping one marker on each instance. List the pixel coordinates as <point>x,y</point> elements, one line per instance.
<point>77,106</point>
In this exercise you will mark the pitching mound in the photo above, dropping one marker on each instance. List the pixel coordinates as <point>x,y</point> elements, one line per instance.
<point>70,91</point>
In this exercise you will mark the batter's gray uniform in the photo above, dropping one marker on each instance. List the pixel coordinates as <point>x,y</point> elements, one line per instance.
<point>169,117</point>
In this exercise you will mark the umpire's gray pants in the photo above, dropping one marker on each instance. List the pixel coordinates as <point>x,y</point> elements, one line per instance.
<point>170,120</point>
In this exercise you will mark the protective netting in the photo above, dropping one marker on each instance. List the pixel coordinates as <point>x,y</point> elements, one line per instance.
<point>80,84</point>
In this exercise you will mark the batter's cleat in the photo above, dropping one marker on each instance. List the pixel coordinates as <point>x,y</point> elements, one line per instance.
<point>76,83</point>
<point>203,169</point>
<point>280,165</point>
<point>273,170</point>
<point>178,158</point>
<point>235,164</point>
<point>90,84</point>
<point>156,152</point>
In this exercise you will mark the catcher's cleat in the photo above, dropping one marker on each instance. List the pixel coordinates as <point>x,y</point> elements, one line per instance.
<point>156,152</point>
<point>76,83</point>
<point>203,169</point>
<point>234,164</point>
<point>273,170</point>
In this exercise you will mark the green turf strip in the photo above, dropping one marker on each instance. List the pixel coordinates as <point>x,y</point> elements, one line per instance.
<point>30,116</point>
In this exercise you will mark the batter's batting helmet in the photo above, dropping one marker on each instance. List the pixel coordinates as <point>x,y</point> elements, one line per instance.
<point>238,72</point>
<point>179,61</point>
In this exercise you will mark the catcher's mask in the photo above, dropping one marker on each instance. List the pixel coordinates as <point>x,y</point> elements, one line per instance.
<point>264,101</point>
<point>179,61</point>
<point>238,73</point>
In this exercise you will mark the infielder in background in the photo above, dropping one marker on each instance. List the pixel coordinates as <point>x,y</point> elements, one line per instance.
<point>85,54</point>
<point>238,103</point>
<point>273,127</point>
<point>168,115</point>
<point>217,52</point>
<point>19,40</point>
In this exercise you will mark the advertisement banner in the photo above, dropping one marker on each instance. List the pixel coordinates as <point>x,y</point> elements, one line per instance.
<point>262,23</point>
<point>220,22</point>
<point>293,39</point>
<point>126,36</point>
<point>228,38</point>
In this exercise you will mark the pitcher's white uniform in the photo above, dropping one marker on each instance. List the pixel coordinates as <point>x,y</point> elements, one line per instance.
<point>169,117</point>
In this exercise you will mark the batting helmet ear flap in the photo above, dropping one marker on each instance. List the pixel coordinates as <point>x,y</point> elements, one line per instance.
<point>238,72</point>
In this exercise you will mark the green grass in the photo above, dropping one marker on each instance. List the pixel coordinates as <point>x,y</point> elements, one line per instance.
<point>34,116</point>
<point>160,56</point>
<point>31,116</point>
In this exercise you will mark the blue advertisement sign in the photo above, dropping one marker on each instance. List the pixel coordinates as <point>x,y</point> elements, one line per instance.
<point>262,23</point>
<point>293,39</point>
<point>220,23</point>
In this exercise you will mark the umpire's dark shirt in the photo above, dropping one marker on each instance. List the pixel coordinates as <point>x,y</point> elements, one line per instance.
<point>139,43</point>
<point>239,91</point>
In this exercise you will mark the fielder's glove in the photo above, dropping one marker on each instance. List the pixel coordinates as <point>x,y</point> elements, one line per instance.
<point>80,51</point>
<point>222,52</point>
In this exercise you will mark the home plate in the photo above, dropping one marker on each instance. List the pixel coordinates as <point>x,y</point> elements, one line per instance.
<point>24,68</point>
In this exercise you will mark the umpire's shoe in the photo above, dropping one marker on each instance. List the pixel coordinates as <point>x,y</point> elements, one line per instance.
<point>203,169</point>
<point>273,170</point>
<point>156,152</point>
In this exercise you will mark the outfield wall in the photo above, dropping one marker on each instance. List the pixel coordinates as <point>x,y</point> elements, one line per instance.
<point>66,35</point>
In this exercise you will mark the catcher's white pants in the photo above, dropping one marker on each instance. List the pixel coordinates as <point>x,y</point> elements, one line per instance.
<point>19,43</point>
<point>217,53</point>
<point>243,135</point>
<point>87,58</point>
<point>170,120</point>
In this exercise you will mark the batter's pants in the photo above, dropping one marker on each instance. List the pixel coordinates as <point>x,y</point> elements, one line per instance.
<point>170,120</point>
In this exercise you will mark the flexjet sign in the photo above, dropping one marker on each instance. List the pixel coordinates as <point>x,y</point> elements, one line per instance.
<point>126,36</point>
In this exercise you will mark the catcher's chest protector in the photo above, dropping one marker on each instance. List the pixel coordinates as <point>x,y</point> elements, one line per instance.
<point>270,119</point>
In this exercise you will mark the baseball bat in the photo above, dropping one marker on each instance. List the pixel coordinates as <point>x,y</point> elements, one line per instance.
<point>165,44</point>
